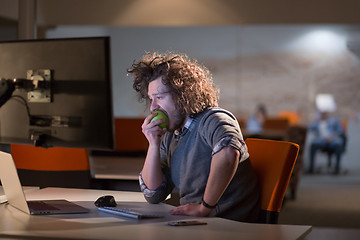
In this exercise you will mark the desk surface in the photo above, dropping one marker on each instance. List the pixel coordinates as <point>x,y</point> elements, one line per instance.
<point>100,225</point>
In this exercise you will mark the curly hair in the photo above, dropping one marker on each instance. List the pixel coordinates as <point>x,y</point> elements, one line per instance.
<point>190,83</point>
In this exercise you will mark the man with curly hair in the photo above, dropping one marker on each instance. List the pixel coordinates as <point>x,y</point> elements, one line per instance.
<point>201,155</point>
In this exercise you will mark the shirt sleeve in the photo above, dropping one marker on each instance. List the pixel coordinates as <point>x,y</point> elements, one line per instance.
<point>146,191</point>
<point>158,195</point>
<point>220,129</point>
<point>234,142</point>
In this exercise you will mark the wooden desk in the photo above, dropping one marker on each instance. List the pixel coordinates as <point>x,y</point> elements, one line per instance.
<point>116,167</point>
<point>100,225</point>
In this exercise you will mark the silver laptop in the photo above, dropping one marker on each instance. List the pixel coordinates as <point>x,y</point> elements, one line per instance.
<point>16,197</point>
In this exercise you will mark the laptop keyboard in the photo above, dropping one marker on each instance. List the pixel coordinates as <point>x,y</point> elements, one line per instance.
<point>39,206</point>
<point>126,212</point>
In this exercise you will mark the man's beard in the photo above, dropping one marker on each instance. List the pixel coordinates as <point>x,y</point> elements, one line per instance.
<point>178,122</point>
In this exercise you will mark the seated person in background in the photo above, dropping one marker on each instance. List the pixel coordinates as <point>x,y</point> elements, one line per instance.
<point>201,155</point>
<point>328,133</point>
<point>254,124</point>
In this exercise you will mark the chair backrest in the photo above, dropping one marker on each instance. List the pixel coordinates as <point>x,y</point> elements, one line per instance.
<point>273,162</point>
<point>49,159</point>
<point>276,123</point>
<point>57,167</point>
<point>292,116</point>
<point>128,135</point>
<point>344,125</point>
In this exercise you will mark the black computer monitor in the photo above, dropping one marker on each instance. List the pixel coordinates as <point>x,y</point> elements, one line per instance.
<point>56,92</point>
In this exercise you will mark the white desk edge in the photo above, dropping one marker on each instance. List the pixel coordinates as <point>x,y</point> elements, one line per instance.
<point>98,225</point>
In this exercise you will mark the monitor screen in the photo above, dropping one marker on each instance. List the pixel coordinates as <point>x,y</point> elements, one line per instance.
<point>56,92</point>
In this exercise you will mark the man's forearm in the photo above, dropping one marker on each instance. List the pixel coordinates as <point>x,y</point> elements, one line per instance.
<point>223,168</point>
<point>151,172</point>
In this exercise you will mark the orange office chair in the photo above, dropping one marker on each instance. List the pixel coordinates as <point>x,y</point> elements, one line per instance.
<point>273,162</point>
<point>291,116</point>
<point>128,135</point>
<point>276,123</point>
<point>52,167</point>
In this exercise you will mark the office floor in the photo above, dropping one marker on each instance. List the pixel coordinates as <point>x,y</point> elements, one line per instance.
<point>328,203</point>
<point>331,204</point>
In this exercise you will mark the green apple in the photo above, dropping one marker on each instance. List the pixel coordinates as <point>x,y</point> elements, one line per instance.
<point>161,115</point>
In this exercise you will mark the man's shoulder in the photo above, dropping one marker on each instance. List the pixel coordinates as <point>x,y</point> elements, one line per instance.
<point>216,112</point>
<point>215,116</point>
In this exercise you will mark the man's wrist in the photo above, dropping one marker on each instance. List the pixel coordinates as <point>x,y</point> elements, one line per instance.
<point>204,211</point>
<point>205,204</point>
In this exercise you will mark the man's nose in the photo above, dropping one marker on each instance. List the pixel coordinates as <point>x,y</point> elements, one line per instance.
<point>154,106</point>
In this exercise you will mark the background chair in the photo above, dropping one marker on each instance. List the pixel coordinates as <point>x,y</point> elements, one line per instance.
<point>276,124</point>
<point>128,135</point>
<point>296,134</point>
<point>292,116</point>
<point>52,167</point>
<point>273,162</point>
<point>274,128</point>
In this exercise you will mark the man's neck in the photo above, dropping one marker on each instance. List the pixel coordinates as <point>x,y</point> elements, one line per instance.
<point>178,131</point>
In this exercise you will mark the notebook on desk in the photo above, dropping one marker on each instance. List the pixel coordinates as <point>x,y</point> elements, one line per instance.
<point>16,197</point>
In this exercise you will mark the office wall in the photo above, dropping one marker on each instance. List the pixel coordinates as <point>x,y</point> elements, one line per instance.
<point>283,66</point>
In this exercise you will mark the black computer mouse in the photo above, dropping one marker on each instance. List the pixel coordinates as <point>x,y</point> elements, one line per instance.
<point>105,201</point>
